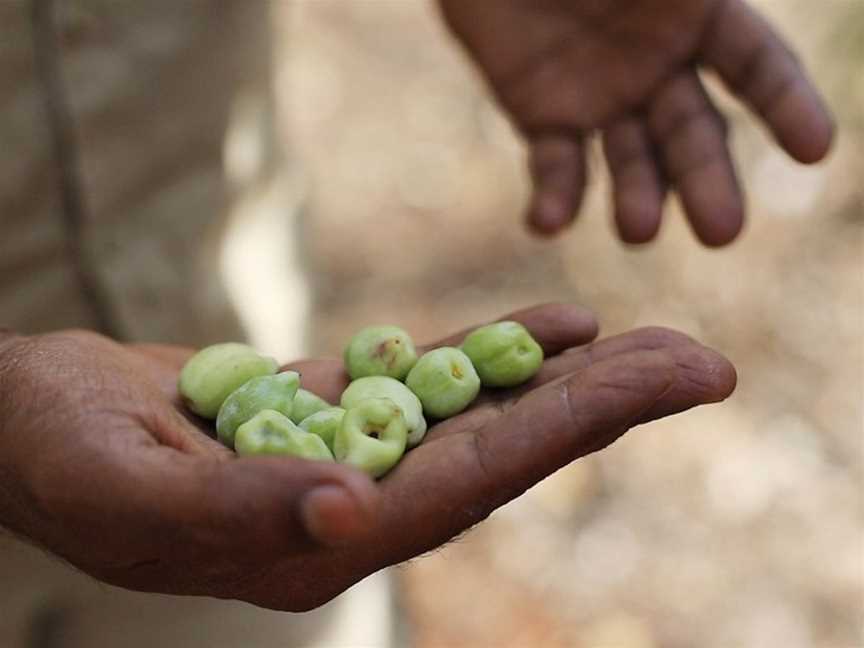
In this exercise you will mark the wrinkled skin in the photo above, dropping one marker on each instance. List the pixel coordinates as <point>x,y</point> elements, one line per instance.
<point>101,466</point>
<point>626,70</point>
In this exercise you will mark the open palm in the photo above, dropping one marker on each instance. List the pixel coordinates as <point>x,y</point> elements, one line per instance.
<point>628,70</point>
<point>105,469</point>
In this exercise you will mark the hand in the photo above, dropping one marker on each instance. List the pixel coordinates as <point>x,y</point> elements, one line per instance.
<point>565,69</point>
<point>101,466</point>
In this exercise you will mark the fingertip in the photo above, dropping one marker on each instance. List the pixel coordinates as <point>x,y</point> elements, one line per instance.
<point>338,514</point>
<point>803,124</point>
<point>548,215</point>
<point>558,170</point>
<point>285,501</point>
<point>325,377</point>
<point>638,224</point>
<point>722,228</point>
<point>714,205</point>
<point>638,188</point>
<point>569,324</point>
<point>719,375</point>
<point>701,376</point>
<point>812,145</point>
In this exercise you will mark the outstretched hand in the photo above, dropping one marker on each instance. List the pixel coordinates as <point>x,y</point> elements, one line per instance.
<point>565,69</point>
<point>102,466</point>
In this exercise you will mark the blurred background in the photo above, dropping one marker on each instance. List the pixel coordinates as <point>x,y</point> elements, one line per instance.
<point>369,178</point>
<point>734,525</point>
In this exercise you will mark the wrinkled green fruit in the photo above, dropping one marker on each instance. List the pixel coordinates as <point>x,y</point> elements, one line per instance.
<point>215,371</point>
<point>380,351</point>
<point>372,437</point>
<point>258,394</point>
<point>385,387</point>
<point>306,404</point>
<point>504,354</point>
<point>324,423</point>
<point>271,433</point>
<point>444,381</point>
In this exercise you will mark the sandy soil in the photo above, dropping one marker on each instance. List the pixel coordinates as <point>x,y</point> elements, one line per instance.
<point>735,525</point>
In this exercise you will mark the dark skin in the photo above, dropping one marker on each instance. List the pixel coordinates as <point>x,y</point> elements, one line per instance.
<point>103,466</point>
<point>626,71</point>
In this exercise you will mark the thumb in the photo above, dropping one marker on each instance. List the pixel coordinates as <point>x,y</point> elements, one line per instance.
<point>197,526</point>
<point>310,502</point>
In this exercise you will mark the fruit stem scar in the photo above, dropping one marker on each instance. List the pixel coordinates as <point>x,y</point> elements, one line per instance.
<point>372,431</point>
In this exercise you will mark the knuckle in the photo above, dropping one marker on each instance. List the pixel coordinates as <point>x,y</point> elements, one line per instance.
<point>480,453</point>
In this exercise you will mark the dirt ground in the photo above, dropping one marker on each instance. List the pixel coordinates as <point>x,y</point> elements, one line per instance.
<point>735,525</point>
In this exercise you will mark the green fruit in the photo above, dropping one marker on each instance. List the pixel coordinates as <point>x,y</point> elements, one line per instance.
<point>384,387</point>
<point>272,433</point>
<point>260,393</point>
<point>380,351</point>
<point>215,371</point>
<point>504,354</point>
<point>324,424</point>
<point>444,381</point>
<point>306,404</point>
<point>372,436</point>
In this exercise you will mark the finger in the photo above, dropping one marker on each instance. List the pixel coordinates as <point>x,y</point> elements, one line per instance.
<point>649,338</point>
<point>441,488</point>
<point>491,402</point>
<point>638,188</point>
<point>325,377</point>
<point>758,66</point>
<point>691,137</point>
<point>700,368</point>
<point>556,326</point>
<point>197,524</point>
<point>458,481</point>
<point>558,172</point>
<point>702,374</point>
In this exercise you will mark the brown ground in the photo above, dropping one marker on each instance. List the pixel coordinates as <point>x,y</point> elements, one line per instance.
<point>736,525</point>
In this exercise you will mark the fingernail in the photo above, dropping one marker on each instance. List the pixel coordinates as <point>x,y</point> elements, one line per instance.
<point>333,516</point>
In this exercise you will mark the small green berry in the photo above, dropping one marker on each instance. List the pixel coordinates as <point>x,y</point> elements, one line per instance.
<point>324,424</point>
<point>380,351</point>
<point>372,436</point>
<point>306,404</point>
<point>504,354</point>
<point>444,381</point>
<point>215,371</point>
<point>260,393</point>
<point>272,433</point>
<point>385,387</point>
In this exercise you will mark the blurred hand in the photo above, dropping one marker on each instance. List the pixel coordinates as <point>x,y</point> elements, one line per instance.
<point>101,466</point>
<point>627,69</point>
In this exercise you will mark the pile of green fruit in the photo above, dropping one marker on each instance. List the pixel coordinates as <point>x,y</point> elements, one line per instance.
<point>259,411</point>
